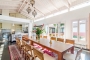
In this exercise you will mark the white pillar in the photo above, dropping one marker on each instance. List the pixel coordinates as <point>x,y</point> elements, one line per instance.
<point>58,29</point>
<point>30,27</point>
<point>48,31</point>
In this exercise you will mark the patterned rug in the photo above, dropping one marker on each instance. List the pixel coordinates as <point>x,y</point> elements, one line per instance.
<point>14,53</point>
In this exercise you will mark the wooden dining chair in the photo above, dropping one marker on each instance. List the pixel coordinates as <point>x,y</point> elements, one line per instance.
<point>23,48</point>
<point>38,55</point>
<point>18,44</point>
<point>60,39</point>
<point>28,52</point>
<point>53,38</point>
<point>50,35</point>
<point>70,41</point>
<point>76,56</point>
<point>45,37</point>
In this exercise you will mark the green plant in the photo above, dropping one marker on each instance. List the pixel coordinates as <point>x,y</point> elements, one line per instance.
<point>39,31</point>
<point>62,24</point>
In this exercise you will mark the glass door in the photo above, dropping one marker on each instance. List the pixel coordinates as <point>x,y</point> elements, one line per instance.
<point>79,32</point>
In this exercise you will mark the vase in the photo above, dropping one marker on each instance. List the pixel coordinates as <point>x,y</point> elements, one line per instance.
<point>38,37</point>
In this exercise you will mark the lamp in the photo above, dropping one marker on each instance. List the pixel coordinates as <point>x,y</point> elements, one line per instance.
<point>34,13</point>
<point>32,2</point>
<point>28,10</point>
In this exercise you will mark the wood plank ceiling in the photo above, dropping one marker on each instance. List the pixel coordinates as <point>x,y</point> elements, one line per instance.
<point>42,7</point>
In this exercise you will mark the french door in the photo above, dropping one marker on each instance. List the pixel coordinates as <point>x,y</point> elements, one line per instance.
<point>79,31</point>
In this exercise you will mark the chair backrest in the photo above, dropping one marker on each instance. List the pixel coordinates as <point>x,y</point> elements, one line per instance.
<point>60,39</point>
<point>28,47</point>
<point>45,37</point>
<point>50,35</point>
<point>18,42</point>
<point>70,41</point>
<point>38,54</point>
<point>53,38</point>
<point>23,43</point>
<point>78,54</point>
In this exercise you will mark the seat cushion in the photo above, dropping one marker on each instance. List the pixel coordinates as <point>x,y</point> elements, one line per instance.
<point>48,57</point>
<point>69,56</point>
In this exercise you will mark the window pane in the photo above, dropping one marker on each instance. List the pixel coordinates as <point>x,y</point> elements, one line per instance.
<point>82,31</point>
<point>75,30</point>
<point>75,24</point>
<point>75,33</point>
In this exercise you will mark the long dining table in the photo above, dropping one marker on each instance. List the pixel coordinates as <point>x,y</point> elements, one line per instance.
<point>55,46</point>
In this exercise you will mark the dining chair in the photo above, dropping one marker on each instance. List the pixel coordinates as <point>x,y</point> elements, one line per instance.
<point>38,55</point>
<point>76,56</point>
<point>60,39</point>
<point>50,35</point>
<point>45,37</point>
<point>53,38</point>
<point>18,44</point>
<point>70,41</point>
<point>28,52</point>
<point>23,48</point>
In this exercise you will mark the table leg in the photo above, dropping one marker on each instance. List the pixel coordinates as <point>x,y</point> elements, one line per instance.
<point>60,56</point>
<point>72,50</point>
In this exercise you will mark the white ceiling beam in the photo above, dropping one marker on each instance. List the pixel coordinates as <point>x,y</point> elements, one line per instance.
<point>54,5</point>
<point>40,12</point>
<point>66,3</point>
<point>7,7</point>
<point>23,13</point>
<point>22,5</point>
<point>69,1</point>
<point>12,11</point>
<point>9,2</point>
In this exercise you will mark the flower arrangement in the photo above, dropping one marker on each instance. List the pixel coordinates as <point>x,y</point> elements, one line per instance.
<point>38,32</point>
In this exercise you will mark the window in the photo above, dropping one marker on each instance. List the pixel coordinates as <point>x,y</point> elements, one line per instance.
<point>79,30</point>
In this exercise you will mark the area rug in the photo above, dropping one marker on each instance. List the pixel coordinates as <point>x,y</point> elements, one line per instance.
<point>14,53</point>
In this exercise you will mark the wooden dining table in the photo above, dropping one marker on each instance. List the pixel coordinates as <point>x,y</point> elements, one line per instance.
<point>55,46</point>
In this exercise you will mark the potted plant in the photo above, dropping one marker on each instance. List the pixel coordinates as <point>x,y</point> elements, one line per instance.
<point>38,32</point>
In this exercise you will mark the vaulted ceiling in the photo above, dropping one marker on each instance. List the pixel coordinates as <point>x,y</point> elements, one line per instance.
<point>42,7</point>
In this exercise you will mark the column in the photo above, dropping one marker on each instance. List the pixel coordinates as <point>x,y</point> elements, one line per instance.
<point>48,31</point>
<point>30,27</point>
<point>59,30</point>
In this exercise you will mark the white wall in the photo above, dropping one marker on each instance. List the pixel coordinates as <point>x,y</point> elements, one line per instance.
<point>6,26</point>
<point>67,19</point>
<point>72,15</point>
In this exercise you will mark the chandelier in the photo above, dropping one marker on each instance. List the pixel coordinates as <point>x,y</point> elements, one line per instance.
<point>28,10</point>
<point>34,13</point>
<point>32,2</point>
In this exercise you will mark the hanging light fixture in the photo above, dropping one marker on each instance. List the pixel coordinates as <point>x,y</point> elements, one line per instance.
<point>32,2</point>
<point>34,13</point>
<point>28,10</point>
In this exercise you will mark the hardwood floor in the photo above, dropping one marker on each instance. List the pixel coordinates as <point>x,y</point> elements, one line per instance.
<point>4,52</point>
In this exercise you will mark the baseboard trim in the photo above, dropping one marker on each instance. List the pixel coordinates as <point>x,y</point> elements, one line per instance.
<point>83,48</point>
